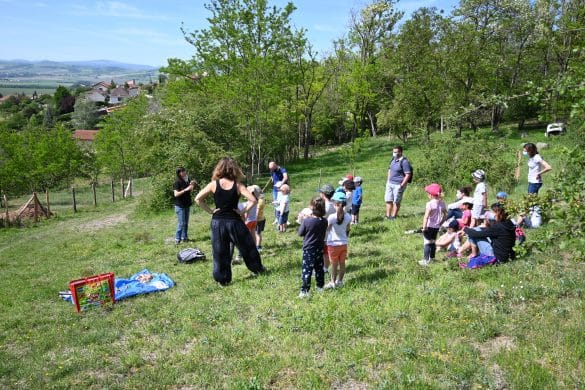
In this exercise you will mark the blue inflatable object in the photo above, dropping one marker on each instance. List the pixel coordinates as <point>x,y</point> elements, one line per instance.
<point>126,288</point>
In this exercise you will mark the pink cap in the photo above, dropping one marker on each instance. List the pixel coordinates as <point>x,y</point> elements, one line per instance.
<point>434,189</point>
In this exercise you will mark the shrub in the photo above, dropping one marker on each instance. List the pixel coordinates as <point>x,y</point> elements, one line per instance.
<point>451,162</point>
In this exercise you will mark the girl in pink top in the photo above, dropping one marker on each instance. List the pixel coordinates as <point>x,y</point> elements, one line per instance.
<point>435,214</point>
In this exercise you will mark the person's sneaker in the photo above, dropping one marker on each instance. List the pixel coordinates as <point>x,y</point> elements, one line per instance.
<point>390,218</point>
<point>304,294</point>
<point>319,289</point>
<point>326,270</point>
<point>339,283</point>
<point>177,242</point>
<point>425,262</point>
<point>329,286</point>
<point>237,260</point>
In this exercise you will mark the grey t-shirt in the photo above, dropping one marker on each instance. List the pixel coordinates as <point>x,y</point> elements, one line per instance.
<point>399,169</point>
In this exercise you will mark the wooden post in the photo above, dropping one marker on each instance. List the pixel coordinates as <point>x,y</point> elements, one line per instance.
<point>36,202</point>
<point>48,203</point>
<point>113,193</point>
<point>441,124</point>
<point>74,200</point>
<point>122,187</point>
<point>6,209</point>
<point>320,173</point>
<point>130,186</point>
<point>94,194</point>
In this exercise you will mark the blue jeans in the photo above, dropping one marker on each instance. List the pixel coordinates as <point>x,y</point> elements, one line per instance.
<point>534,187</point>
<point>457,213</point>
<point>484,246</point>
<point>182,223</point>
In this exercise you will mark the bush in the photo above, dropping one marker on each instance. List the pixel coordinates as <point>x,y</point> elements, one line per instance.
<point>451,162</point>
<point>158,195</point>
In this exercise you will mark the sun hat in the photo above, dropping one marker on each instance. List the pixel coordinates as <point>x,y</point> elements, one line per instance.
<point>358,179</point>
<point>433,189</point>
<point>479,174</point>
<point>327,189</point>
<point>339,197</point>
<point>502,194</point>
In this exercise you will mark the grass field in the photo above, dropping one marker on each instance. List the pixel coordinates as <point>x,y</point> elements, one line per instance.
<point>393,325</point>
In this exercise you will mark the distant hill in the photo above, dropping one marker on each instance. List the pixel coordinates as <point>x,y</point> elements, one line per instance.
<point>22,76</point>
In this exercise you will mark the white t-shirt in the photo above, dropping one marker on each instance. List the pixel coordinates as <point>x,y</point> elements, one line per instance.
<point>338,233</point>
<point>480,189</point>
<point>349,201</point>
<point>252,214</point>
<point>329,208</point>
<point>283,202</point>
<point>534,164</point>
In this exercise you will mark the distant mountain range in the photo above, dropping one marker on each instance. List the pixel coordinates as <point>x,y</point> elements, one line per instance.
<point>97,64</point>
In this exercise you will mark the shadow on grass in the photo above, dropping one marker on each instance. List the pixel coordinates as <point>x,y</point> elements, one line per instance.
<point>373,276</point>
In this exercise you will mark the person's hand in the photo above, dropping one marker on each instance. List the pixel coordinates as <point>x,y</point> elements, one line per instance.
<point>538,177</point>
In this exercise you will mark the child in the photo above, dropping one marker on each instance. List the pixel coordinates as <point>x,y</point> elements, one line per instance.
<point>462,196</point>
<point>260,218</point>
<point>450,240</point>
<point>348,186</point>
<point>479,196</point>
<point>337,240</point>
<point>478,246</point>
<point>357,201</point>
<point>250,218</point>
<point>282,207</point>
<point>465,219</point>
<point>501,197</point>
<point>313,228</point>
<point>435,213</point>
<point>326,192</point>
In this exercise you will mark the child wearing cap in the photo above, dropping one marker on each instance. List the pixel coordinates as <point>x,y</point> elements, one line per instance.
<point>313,230</point>
<point>282,207</point>
<point>356,201</point>
<point>435,214</point>
<point>337,240</point>
<point>450,240</point>
<point>479,196</point>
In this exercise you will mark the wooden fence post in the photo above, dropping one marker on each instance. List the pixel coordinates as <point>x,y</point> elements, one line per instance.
<point>74,201</point>
<point>48,203</point>
<point>94,194</point>
<point>6,209</point>
<point>122,187</point>
<point>36,202</point>
<point>113,193</point>
<point>130,183</point>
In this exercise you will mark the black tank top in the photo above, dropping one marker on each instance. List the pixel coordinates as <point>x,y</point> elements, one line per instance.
<point>226,201</point>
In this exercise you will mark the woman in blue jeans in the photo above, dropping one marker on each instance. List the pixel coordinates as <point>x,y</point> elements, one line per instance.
<point>536,168</point>
<point>182,191</point>
<point>227,225</point>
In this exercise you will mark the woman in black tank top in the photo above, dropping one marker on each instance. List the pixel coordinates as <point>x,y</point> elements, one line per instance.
<point>227,226</point>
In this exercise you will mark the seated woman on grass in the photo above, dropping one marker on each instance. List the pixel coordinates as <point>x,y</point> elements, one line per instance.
<point>502,234</point>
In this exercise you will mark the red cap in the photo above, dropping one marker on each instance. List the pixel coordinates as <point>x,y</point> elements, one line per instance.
<point>434,189</point>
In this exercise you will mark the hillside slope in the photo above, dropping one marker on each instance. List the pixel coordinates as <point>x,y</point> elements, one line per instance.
<point>393,325</point>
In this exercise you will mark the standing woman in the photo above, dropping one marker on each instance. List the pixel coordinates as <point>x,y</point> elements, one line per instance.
<point>227,226</point>
<point>182,198</point>
<point>536,167</point>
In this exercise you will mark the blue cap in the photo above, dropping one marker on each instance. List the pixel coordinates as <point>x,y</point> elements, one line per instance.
<point>502,195</point>
<point>339,197</point>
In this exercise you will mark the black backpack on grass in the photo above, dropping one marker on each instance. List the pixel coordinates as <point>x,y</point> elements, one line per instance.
<point>190,255</point>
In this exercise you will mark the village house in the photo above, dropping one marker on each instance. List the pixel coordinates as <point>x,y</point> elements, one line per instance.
<point>118,95</point>
<point>96,96</point>
<point>85,137</point>
<point>101,86</point>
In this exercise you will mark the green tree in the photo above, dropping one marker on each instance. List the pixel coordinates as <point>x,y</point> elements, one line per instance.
<point>85,114</point>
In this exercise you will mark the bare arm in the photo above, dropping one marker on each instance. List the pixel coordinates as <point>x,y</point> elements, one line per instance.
<point>406,179</point>
<point>484,199</point>
<point>426,218</point>
<point>248,195</point>
<point>546,168</point>
<point>284,178</point>
<point>202,195</point>
<point>179,193</point>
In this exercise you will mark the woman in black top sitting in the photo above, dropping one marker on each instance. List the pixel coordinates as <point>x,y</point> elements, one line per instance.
<point>182,196</point>
<point>502,234</point>
<point>227,226</point>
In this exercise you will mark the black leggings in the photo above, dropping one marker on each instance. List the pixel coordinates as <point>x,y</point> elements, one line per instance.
<point>232,231</point>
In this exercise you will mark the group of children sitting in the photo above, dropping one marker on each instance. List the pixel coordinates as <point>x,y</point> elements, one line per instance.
<point>487,235</point>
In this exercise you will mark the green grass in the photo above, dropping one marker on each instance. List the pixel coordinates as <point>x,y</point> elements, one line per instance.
<point>393,325</point>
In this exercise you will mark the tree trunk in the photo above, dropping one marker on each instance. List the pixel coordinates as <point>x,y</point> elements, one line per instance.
<point>372,124</point>
<point>497,113</point>
<point>307,136</point>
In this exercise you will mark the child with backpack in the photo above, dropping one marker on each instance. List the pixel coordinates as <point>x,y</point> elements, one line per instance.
<point>435,214</point>
<point>337,240</point>
<point>313,230</point>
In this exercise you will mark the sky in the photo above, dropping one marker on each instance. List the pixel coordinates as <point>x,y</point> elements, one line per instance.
<point>148,31</point>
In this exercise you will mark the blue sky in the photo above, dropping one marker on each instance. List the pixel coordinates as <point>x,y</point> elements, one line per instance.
<point>147,31</point>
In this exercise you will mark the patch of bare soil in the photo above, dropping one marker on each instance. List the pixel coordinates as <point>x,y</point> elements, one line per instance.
<point>104,223</point>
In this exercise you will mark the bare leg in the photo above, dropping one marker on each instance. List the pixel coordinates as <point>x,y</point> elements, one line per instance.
<point>396,208</point>
<point>334,268</point>
<point>341,271</point>
<point>389,206</point>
